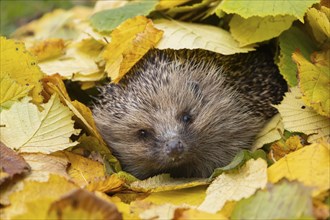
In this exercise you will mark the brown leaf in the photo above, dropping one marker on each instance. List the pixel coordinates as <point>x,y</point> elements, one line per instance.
<point>11,164</point>
<point>81,204</point>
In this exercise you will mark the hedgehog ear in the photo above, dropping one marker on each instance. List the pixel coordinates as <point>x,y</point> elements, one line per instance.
<point>195,87</point>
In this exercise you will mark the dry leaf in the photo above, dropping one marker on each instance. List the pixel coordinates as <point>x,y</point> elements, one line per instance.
<point>309,165</point>
<point>130,41</point>
<point>235,186</point>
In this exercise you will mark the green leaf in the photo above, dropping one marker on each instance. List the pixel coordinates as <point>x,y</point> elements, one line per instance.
<point>239,160</point>
<point>286,200</point>
<point>28,130</point>
<point>257,29</point>
<point>263,8</point>
<point>107,20</point>
<point>289,42</point>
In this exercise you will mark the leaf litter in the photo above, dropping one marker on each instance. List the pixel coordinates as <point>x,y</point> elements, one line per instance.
<point>64,167</point>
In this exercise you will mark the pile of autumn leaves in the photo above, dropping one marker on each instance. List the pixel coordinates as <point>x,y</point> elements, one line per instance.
<point>54,163</point>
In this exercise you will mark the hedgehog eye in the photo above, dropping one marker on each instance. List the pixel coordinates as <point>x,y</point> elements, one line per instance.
<point>186,118</point>
<point>142,133</point>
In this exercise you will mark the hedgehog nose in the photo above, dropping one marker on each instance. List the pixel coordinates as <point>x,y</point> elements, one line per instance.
<point>174,149</point>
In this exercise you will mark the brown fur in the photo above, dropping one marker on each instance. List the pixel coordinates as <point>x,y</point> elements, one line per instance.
<point>227,97</point>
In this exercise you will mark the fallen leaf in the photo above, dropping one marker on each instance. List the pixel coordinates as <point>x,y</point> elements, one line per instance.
<point>297,117</point>
<point>34,199</point>
<point>183,35</point>
<point>239,160</point>
<point>286,200</point>
<point>83,170</point>
<point>26,129</point>
<point>165,211</point>
<point>193,196</point>
<point>283,147</point>
<point>81,204</point>
<point>271,132</point>
<point>257,29</point>
<point>105,5</point>
<point>107,20</point>
<point>55,24</point>
<point>290,41</point>
<point>319,22</point>
<point>191,214</point>
<point>314,80</point>
<point>11,91</point>
<point>107,184</point>
<point>130,41</point>
<point>20,66</point>
<point>44,165</point>
<point>309,165</point>
<point>165,4</point>
<point>47,49</point>
<point>74,61</point>
<point>11,164</point>
<point>235,186</point>
<point>164,182</point>
<point>264,8</point>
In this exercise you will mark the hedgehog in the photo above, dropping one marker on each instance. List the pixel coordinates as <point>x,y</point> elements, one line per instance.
<point>187,112</point>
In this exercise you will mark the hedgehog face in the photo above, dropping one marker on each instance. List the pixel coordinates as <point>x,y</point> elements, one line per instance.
<point>177,118</point>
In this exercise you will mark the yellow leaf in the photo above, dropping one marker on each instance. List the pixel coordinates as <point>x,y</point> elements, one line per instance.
<point>130,41</point>
<point>235,186</point>
<point>56,24</point>
<point>281,148</point>
<point>26,129</point>
<point>165,4</point>
<point>81,204</point>
<point>48,49</point>
<point>299,118</point>
<point>72,62</point>
<point>193,196</point>
<point>191,214</point>
<point>319,22</point>
<point>54,84</point>
<point>271,132</point>
<point>35,197</point>
<point>108,184</point>
<point>182,35</point>
<point>21,67</point>
<point>83,170</point>
<point>11,91</point>
<point>309,165</point>
<point>315,80</point>
<point>164,182</point>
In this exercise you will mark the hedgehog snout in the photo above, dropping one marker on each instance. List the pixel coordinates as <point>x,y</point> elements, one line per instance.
<point>175,148</point>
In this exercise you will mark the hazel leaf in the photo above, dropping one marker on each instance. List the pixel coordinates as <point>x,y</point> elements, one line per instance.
<point>297,117</point>
<point>282,201</point>
<point>183,35</point>
<point>26,129</point>
<point>107,20</point>
<point>258,29</point>
<point>315,80</point>
<point>264,8</point>
<point>235,186</point>
<point>309,165</point>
